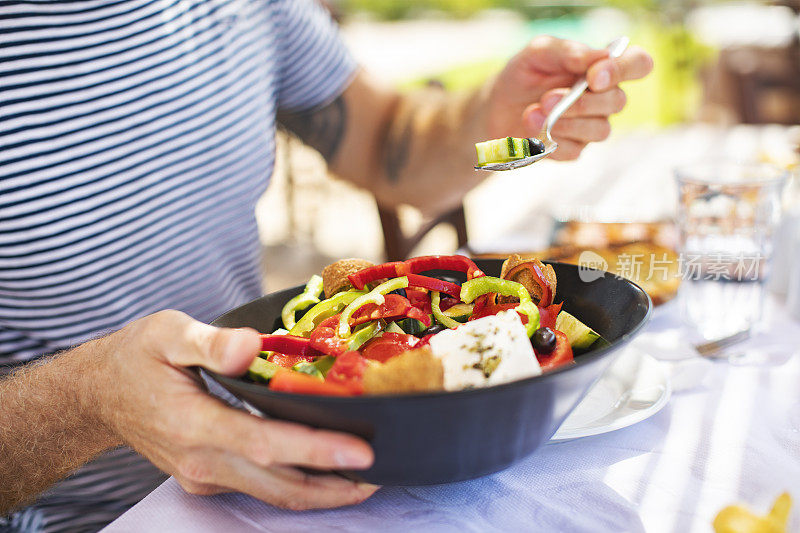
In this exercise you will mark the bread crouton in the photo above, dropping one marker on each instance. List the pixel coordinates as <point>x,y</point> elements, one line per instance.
<point>526,278</point>
<point>411,371</point>
<point>334,276</point>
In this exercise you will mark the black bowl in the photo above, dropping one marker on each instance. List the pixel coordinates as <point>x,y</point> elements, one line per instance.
<point>441,437</point>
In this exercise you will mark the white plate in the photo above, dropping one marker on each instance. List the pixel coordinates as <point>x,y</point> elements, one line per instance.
<point>633,388</point>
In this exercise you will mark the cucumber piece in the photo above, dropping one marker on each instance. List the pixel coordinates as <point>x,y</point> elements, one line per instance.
<point>459,312</point>
<point>262,370</point>
<point>580,335</point>
<point>412,326</point>
<point>511,148</point>
<point>500,150</point>
<point>394,328</point>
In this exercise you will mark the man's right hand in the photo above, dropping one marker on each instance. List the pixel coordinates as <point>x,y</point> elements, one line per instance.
<point>145,396</point>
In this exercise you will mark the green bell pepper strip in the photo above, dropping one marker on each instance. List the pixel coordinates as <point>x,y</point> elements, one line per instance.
<point>323,310</point>
<point>324,364</point>
<point>309,296</point>
<point>308,368</point>
<point>362,335</point>
<point>479,286</point>
<point>442,318</point>
<point>375,296</point>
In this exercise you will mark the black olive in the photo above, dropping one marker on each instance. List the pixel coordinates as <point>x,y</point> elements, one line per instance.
<point>449,278</point>
<point>433,330</point>
<point>537,146</point>
<point>544,341</point>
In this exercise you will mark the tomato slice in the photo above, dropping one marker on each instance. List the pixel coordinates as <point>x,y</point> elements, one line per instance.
<point>394,307</point>
<point>348,371</point>
<point>288,361</point>
<point>299,383</point>
<point>560,356</point>
<point>388,345</point>
<point>493,309</point>
<point>325,340</point>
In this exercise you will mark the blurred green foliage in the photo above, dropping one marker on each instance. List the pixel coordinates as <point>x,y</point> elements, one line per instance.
<point>400,9</point>
<point>670,94</point>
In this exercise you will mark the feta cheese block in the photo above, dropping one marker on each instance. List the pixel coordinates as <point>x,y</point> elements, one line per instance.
<point>491,350</point>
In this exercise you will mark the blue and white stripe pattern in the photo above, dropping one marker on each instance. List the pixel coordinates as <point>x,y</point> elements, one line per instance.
<point>135,139</point>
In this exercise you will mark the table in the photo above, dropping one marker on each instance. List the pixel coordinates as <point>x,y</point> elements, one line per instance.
<point>731,433</point>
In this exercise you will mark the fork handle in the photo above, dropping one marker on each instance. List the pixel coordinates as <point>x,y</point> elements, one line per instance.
<point>615,49</point>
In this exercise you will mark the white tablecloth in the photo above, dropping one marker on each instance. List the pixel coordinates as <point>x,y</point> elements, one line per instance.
<point>731,433</point>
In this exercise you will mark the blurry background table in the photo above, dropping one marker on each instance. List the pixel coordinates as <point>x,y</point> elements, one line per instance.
<point>731,433</point>
<point>628,177</point>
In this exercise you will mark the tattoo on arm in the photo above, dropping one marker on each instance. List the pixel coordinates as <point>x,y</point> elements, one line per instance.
<point>321,128</point>
<point>398,146</point>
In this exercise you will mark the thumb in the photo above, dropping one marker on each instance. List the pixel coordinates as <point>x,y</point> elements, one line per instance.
<point>222,350</point>
<point>533,119</point>
<point>234,350</point>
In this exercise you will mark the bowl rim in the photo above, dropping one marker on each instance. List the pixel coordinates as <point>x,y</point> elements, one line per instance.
<point>585,359</point>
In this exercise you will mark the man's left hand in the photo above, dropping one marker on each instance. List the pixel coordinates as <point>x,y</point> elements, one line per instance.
<point>536,78</point>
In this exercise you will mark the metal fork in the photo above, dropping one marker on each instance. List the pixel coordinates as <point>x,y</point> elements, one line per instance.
<point>615,49</point>
<point>712,348</point>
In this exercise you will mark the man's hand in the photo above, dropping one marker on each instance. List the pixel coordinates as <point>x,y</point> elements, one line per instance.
<point>151,402</point>
<point>536,78</point>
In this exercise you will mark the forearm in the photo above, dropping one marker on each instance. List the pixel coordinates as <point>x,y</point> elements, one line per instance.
<point>428,154</point>
<point>416,148</point>
<point>48,425</point>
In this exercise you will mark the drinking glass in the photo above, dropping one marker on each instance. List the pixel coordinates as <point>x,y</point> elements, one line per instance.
<point>727,215</point>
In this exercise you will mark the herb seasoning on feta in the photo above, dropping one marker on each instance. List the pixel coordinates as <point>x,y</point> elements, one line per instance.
<point>491,350</point>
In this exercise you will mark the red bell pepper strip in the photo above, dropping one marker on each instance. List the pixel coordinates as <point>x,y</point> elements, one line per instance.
<point>348,371</point>
<point>368,275</point>
<point>394,307</point>
<point>288,345</point>
<point>388,345</point>
<point>299,383</point>
<point>548,315</point>
<point>433,284</point>
<point>538,277</point>
<point>415,265</point>
<point>458,263</point>
<point>561,354</point>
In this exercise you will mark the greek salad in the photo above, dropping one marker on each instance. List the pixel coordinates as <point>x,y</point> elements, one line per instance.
<point>394,328</point>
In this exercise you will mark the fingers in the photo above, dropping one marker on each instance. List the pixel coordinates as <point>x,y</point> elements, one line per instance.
<point>584,130</point>
<point>589,104</point>
<point>568,150</point>
<point>633,64</point>
<point>551,55</point>
<point>184,341</point>
<point>292,489</point>
<point>270,442</point>
<point>281,486</point>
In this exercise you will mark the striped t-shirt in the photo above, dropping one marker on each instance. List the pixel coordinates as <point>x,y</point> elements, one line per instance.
<point>135,139</point>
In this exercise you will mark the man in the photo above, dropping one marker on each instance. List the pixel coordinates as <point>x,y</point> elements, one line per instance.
<point>137,136</point>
